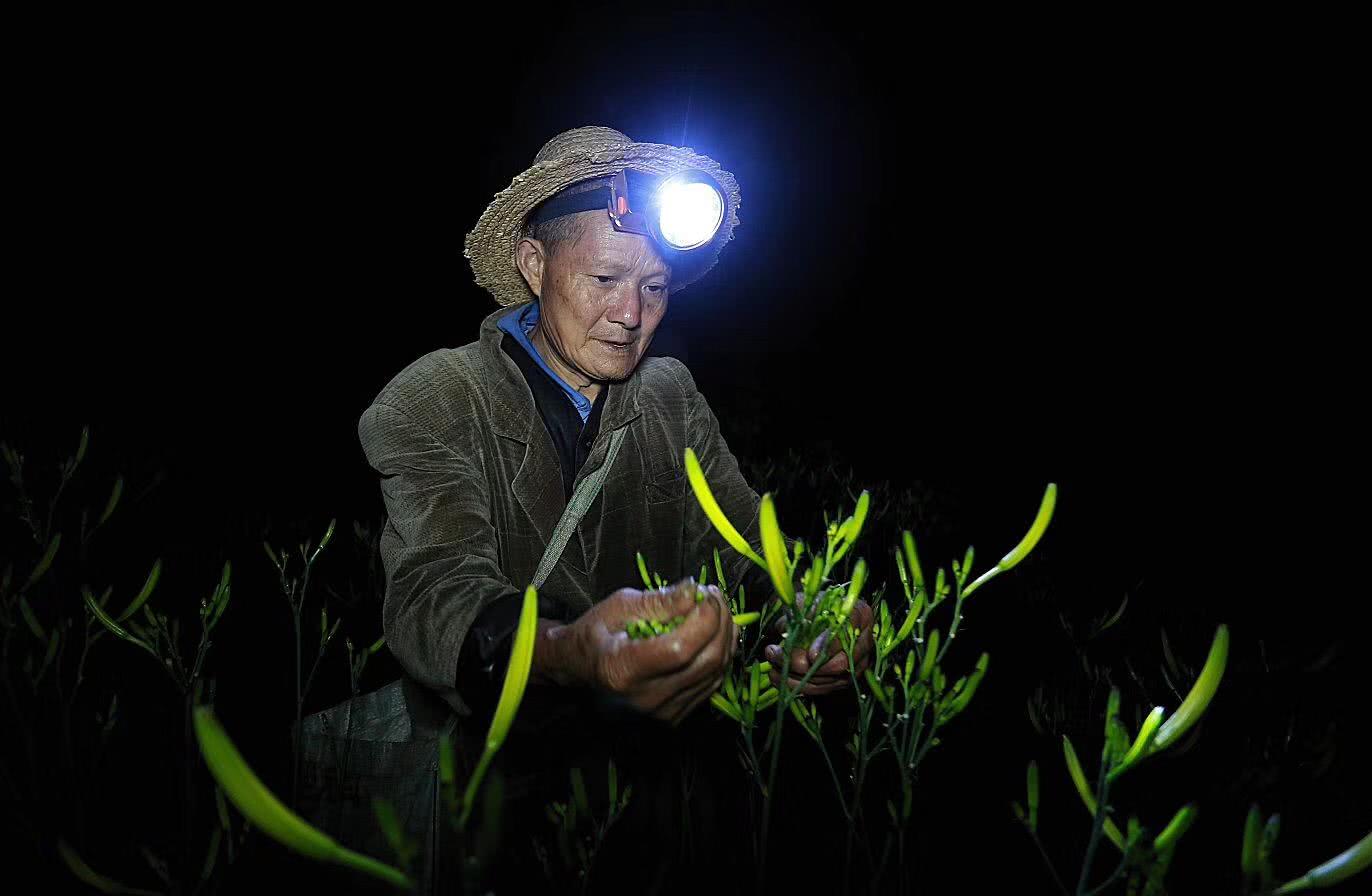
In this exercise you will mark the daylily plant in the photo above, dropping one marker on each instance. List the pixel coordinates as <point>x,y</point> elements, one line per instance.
<point>905,683</point>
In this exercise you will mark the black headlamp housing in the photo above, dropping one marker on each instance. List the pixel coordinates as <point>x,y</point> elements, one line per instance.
<point>632,199</point>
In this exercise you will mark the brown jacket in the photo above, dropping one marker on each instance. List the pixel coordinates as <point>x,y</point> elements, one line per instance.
<point>473,491</point>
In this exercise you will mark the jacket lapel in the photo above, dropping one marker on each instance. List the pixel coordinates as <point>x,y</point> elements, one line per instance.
<point>538,484</point>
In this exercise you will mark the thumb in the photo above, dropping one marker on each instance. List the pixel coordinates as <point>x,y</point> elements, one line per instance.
<point>817,648</point>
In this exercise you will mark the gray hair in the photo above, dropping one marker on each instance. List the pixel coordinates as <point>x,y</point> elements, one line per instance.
<point>558,233</point>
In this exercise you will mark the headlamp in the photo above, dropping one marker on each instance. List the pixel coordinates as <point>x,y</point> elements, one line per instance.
<point>681,212</point>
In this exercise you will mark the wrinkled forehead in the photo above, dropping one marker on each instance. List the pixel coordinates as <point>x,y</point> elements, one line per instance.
<point>626,252</point>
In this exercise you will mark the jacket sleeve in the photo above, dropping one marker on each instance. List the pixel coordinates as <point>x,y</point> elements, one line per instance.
<point>735,496</point>
<point>438,548</point>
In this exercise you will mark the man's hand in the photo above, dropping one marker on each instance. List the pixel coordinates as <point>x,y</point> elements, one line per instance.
<point>666,676</point>
<point>833,674</point>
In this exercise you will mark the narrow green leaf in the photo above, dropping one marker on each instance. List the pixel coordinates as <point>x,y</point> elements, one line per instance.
<point>900,568</point>
<point>328,537</point>
<point>261,807</point>
<point>446,760</point>
<point>1115,617</point>
<point>219,600</point>
<point>511,694</point>
<point>707,501</point>
<point>1252,837</point>
<point>1112,738</point>
<point>54,638</point>
<point>1196,702</point>
<point>44,562</point>
<point>390,826</point>
<point>579,792</point>
<point>742,619</point>
<point>148,585</point>
<point>221,808</point>
<point>878,690</point>
<point>1032,782</point>
<point>1180,824</point>
<point>1084,791</point>
<point>84,444</point>
<point>114,627</point>
<point>517,675</point>
<point>211,854</point>
<point>112,501</point>
<point>643,570</point>
<point>774,547</point>
<point>1268,846</point>
<point>86,875</point>
<point>964,696</point>
<point>1351,861</point>
<point>31,620</point>
<point>912,560</point>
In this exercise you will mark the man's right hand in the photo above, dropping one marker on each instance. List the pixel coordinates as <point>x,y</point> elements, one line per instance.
<point>666,676</point>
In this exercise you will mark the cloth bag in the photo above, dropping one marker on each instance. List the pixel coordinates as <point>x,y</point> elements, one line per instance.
<point>385,744</point>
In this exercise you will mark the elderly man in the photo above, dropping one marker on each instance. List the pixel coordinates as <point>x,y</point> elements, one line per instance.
<point>556,412</point>
<point>551,449</point>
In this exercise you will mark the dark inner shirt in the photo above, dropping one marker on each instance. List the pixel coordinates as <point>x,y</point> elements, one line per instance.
<point>483,659</point>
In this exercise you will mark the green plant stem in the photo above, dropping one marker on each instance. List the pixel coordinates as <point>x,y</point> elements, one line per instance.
<point>299,701</point>
<point>1048,863</point>
<point>1114,876</point>
<point>771,783</point>
<point>783,704</point>
<point>1097,828</point>
<point>188,763</point>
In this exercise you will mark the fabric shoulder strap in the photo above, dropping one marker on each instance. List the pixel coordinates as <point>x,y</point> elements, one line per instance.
<point>581,501</point>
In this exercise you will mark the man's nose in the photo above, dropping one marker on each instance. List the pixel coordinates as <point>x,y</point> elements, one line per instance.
<point>626,307</point>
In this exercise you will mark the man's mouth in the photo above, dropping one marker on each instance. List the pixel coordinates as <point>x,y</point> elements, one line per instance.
<point>612,342</point>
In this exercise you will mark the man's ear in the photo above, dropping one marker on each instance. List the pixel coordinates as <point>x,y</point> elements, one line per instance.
<point>531,261</point>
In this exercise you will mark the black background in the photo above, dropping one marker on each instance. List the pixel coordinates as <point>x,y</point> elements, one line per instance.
<point>974,258</point>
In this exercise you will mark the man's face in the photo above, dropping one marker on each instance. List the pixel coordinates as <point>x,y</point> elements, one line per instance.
<point>600,298</point>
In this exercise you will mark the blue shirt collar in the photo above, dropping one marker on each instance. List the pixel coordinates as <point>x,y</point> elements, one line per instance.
<point>519,323</point>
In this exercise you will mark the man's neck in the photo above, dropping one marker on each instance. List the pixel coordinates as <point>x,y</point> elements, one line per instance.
<point>584,387</point>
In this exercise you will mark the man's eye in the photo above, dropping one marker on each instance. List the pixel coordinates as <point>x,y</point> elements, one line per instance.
<point>655,289</point>
<point>603,278</point>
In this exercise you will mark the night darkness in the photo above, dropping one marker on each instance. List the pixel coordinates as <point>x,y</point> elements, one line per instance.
<point>973,259</point>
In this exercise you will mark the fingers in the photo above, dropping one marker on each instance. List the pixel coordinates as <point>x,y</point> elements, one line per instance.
<point>832,675</point>
<point>702,677</point>
<point>673,651</point>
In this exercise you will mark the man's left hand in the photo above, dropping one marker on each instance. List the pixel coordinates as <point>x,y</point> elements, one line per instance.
<point>833,674</point>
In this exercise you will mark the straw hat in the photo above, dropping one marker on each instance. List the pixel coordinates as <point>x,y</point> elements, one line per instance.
<point>573,156</point>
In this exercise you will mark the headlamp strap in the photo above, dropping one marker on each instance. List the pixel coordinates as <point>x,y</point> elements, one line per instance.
<point>592,200</point>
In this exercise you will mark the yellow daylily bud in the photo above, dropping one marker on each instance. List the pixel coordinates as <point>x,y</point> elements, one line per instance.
<point>696,476</point>
<point>774,547</point>
<point>1194,706</point>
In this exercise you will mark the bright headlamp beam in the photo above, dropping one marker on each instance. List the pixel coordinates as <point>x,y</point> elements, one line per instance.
<point>689,213</point>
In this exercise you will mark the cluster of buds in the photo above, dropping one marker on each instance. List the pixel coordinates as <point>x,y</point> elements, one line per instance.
<point>651,628</point>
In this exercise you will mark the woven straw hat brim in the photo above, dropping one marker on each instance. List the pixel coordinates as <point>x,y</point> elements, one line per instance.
<point>580,155</point>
